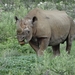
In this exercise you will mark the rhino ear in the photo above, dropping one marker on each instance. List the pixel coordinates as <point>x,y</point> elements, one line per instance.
<point>34,19</point>
<point>16,18</point>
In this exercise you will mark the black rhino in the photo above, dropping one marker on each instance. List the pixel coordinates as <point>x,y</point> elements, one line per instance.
<point>43,28</point>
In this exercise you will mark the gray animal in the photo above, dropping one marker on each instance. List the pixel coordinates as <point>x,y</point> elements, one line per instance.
<point>43,28</point>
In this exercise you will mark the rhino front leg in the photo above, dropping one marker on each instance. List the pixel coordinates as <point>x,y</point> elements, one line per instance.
<point>43,45</point>
<point>34,45</point>
<point>56,49</point>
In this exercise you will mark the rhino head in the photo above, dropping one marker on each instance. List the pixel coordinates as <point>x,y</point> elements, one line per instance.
<point>24,29</point>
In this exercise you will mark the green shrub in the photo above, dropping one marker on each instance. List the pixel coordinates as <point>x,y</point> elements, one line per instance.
<point>43,65</point>
<point>11,47</point>
<point>7,27</point>
<point>59,65</point>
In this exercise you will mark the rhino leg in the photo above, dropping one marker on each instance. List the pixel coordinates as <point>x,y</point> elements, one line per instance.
<point>43,45</point>
<point>68,44</point>
<point>35,45</point>
<point>56,49</point>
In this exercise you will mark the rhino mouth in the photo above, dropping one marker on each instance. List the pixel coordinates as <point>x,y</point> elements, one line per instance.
<point>23,42</point>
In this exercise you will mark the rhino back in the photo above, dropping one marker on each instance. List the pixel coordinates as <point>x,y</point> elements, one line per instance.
<point>53,24</point>
<point>60,27</point>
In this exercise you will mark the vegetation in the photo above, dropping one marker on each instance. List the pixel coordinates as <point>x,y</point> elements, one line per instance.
<point>22,60</point>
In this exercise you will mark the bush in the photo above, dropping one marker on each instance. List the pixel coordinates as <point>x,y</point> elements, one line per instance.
<point>7,27</point>
<point>33,65</point>
<point>60,65</point>
<point>11,47</point>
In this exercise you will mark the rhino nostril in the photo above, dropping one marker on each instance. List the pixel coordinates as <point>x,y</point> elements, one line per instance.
<point>27,31</point>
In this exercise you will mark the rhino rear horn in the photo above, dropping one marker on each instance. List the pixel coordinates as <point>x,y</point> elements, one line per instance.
<point>34,19</point>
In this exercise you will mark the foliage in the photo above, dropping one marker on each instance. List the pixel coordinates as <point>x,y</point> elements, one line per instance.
<point>12,48</point>
<point>7,27</point>
<point>60,65</point>
<point>33,65</point>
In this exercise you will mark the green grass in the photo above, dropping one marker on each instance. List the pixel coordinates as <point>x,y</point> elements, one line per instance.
<point>33,65</point>
<point>15,65</point>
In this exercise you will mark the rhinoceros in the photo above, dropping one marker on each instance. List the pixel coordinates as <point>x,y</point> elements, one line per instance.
<point>43,28</point>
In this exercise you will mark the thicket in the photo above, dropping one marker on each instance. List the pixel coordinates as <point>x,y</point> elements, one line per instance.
<point>21,60</point>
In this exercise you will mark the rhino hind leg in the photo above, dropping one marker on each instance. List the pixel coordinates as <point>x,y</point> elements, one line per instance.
<point>68,44</point>
<point>56,49</point>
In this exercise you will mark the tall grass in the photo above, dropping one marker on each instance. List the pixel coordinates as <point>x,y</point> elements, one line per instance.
<point>33,65</point>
